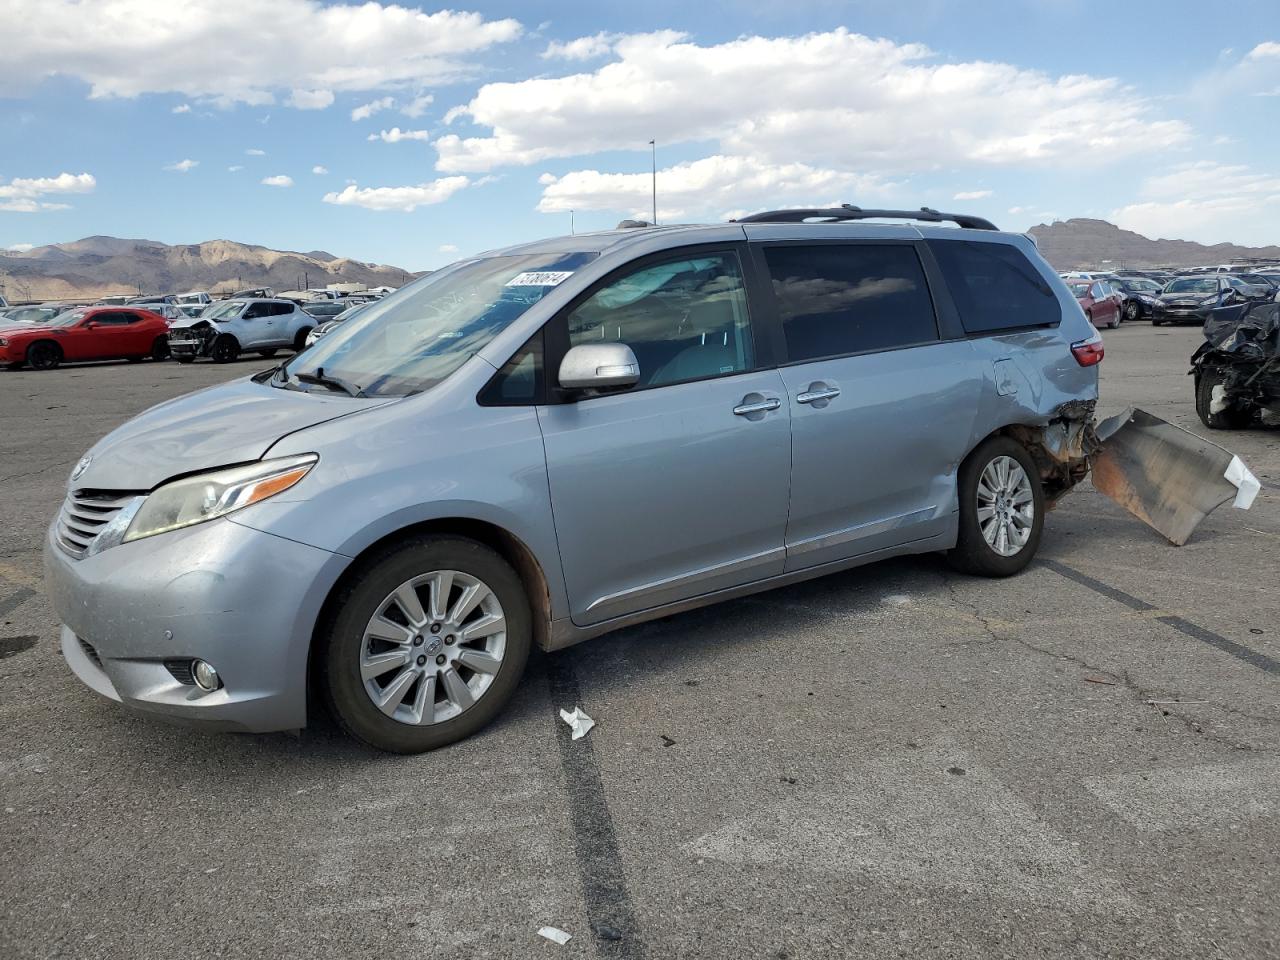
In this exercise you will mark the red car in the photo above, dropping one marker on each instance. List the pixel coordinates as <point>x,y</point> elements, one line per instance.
<point>86,333</point>
<point>1101,304</point>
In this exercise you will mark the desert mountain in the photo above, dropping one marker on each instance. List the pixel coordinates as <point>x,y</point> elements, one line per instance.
<point>1080,243</point>
<point>98,266</point>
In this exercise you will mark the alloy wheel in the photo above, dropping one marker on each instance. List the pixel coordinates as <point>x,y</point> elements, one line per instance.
<point>433,647</point>
<point>1006,506</point>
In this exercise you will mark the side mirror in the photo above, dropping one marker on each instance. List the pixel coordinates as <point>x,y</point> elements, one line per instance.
<point>91,325</point>
<point>599,366</point>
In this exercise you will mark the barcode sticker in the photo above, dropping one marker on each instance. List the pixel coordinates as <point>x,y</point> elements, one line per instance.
<point>540,278</point>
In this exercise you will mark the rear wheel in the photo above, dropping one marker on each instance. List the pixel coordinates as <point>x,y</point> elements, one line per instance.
<point>1230,417</point>
<point>1001,510</point>
<point>225,349</point>
<point>1131,310</point>
<point>427,645</point>
<point>44,355</point>
<point>160,349</point>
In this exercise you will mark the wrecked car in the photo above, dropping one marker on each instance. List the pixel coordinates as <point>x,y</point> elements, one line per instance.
<point>1193,299</point>
<point>1237,368</point>
<point>225,330</point>
<point>553,441</point>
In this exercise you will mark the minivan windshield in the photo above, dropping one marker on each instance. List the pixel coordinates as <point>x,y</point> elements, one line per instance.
<point>416,337</point>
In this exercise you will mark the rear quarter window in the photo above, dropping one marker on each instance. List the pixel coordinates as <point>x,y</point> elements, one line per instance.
<point>994,286</point>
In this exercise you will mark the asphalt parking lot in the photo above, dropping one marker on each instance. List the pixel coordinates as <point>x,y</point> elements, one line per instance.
<point>894,762</point>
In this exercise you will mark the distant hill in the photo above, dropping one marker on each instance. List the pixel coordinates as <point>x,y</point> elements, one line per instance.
<point>98,266</point>
<point>1079,243</point>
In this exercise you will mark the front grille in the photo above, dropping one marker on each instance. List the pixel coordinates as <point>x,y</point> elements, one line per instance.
<point>181,670</point>
<point>90,652</point>
<point>83,516</point>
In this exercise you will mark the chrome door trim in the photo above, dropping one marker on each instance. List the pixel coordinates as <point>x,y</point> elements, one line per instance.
<point>659,592</point>
<point>813,396</point>
<point>837,537</point>
<point>760,406</point>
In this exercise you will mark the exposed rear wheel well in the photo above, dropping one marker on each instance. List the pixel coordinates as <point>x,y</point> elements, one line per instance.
<point>1056,476</point>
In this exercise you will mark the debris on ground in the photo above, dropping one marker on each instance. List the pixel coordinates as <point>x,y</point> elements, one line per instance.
<point>1166,476</point>
<point>1108,683</point>
<point>606,932</point>
<point>578,722</point>
<point>667,741</point>
<point>555,934</point>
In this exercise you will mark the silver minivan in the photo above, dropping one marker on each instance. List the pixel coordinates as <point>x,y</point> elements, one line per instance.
<point>549,442</point>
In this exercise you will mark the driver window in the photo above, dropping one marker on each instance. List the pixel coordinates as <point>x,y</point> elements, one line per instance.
<point>684,319</point>
<point>256,311</point>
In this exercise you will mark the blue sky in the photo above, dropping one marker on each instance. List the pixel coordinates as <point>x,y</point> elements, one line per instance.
<point>187,121</point>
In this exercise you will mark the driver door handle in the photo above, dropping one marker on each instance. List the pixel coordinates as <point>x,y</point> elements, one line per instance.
<point>758,406</point>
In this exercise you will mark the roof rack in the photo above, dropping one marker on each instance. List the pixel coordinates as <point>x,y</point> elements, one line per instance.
<point>847,211</point>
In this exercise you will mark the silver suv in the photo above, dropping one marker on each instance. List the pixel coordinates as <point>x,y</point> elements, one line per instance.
<point>552,441</point>
<point>224,330</point>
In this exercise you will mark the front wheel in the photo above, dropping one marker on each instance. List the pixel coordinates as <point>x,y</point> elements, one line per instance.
<point>1001,510</point>
<point>1230,416</point>
<point>1131,310</point>
<point>160,349</point>
<point>225,349</point>
<point>300,339</point>
<point>427,644</point>
<point>44,356</point>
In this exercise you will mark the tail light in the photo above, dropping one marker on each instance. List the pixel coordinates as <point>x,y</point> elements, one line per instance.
<point>1088,353</point>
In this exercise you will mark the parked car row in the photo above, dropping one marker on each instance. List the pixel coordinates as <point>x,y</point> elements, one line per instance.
<point>183,326</point>
<point>1108,299</point>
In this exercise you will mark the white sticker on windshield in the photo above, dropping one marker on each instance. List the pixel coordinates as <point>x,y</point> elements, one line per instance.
<point>540,278</point>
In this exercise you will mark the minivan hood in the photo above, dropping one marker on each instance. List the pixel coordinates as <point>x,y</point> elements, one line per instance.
<point>236,422</point>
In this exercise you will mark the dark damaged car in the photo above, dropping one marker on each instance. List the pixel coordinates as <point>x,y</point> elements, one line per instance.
<point>1190,300</point>
<point>1237,368</point>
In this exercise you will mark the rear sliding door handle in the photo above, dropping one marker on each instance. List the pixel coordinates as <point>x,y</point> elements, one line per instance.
<point>816,394</point>
<point>748,407</point>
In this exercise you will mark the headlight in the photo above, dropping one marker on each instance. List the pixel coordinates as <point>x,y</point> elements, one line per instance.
<point>208,496</point>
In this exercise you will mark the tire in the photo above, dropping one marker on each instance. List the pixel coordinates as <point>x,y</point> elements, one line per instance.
<point>1132,311</point>
<point>267,354</point>
<point>300,340</point>
<point>1115,324</point>
<point>185,359</point>
<point>160,349</point>
<point>1155,322</point>
<point>43,355</point>
<point>973,554</point>
<point>1232,418</point>
<point>225,349</point>
<point>345,645</point>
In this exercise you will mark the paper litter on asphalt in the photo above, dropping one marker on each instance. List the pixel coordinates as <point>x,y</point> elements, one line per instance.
<point>555,934</point>
<point>578,722</point>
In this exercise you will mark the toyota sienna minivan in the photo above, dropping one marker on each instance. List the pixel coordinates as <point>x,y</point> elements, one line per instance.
<point>548,442</point>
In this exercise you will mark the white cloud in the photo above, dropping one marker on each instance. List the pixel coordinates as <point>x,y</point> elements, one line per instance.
<point>833,99</point>
<point>398,198</point>
<point>237,51</point>
<point>255,152</point>
<point>1206,201</point>
<point>418,105</point>
<point>319,170</point>
<point>24,247</point>
<point>709,186</point>
<point>583,48</point>
<point>395,135</point>
<point>183,166</point>
<point>1265,51</point>
<point>182,108</point>
<point>443,248</point>
<point>278,181</point>
<point>973,194</point>
<point>310,99</point>
<point>367,110</point>
<point>1257,74</point>
<point>26,195</point>
<point>234,167</point>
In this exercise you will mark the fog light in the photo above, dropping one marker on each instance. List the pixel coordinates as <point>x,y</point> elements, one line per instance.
<point>206,677</point>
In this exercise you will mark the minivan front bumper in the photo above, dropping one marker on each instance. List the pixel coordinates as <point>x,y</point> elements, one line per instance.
<point>240,599</point>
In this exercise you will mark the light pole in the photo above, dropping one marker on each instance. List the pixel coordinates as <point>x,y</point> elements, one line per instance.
<point>653,148</point>
<point>571,222</point>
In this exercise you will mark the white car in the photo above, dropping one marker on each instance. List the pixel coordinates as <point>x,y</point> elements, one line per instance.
<point>227,329</point>
<point>195,296</point>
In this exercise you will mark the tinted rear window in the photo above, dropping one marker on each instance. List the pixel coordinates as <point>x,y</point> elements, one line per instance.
<point>994,286</point>
<point>837,299</point>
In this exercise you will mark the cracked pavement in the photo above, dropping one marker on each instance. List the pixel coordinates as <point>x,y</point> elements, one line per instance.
<point>897,761</point>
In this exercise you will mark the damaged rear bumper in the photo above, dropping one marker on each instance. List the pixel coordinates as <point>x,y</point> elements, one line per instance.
<point>1165,476</point>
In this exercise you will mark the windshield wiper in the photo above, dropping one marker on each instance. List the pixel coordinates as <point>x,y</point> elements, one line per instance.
<point>324,380</point>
